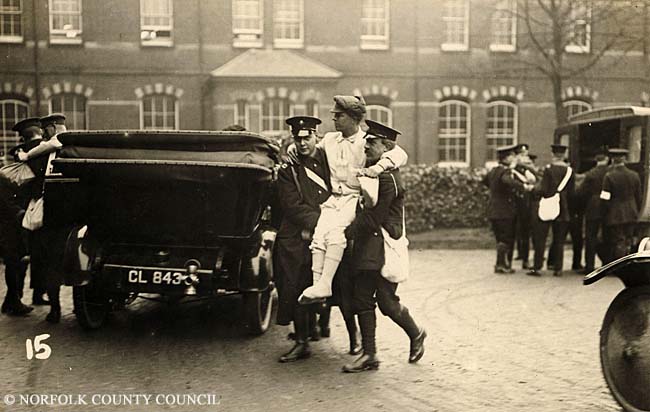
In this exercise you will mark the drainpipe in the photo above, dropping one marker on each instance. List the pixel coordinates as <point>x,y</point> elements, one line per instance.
<point>37,74</point>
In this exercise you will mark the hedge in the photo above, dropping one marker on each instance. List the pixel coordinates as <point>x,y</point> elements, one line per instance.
<point>439,197</point>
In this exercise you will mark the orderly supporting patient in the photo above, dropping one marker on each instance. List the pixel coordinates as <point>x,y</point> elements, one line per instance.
<point>370,286</point>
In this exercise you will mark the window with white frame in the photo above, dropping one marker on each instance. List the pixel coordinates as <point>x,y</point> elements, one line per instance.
<point>579,31</point>
<point>12,110</point>
<point>65,21</point>
<point>574,107</point>
<point>242,113</point>
<point>375,24</point>
<point>501,127</point>
<point>504,26</point>
<point>247,23</point>
<point>455,20</point>
<point>453,132</point>
<point>11,21</point>
<point>73,106</point>
<point>156,22</point>
<point>288,24</point>
<point>274,112</point>
<point>312,108</point>
<point>159,112</point>
<point>381,114</point>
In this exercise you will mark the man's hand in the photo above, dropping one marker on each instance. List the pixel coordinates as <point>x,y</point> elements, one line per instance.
<point>372,171</point>
<point>21,155</point>
<point>305,234</point>
<point>292,153</point>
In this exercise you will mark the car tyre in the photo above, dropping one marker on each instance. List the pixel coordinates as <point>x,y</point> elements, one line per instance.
<point>91,307</point>
<point>257,310</point>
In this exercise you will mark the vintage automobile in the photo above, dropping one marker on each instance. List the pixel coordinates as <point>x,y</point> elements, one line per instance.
<point>169,213</point>
<point>625,333</point>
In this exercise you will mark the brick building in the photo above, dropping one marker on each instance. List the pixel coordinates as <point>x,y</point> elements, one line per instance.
<point>438,70</point>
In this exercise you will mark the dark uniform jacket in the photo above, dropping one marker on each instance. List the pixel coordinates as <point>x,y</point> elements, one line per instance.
<point>34,188</point>
<point>366,227</point>
<point>300,197</point>
<point>503,186</point>
<point>11,244</point>
<point>624,187</point>
<point>551,179</point>
<point>589,192</point>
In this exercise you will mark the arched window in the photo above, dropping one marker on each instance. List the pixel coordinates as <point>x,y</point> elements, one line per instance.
<point>242,113</point>
<point>381,114</point>
<point>73,106</point>
<point>12,110</point>
<point>574,107</point>
<point>453,132</point>
<point>274,112</point>
<point>501,127</point>
<point>159,112</point>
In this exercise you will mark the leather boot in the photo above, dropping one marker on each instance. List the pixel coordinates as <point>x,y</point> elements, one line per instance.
<point>15,307</point>
<point>417,347</point>
<point>314,336</point>
<point>300,349</point>
<point>367,361</point>
<point>324,320</point>
<point>55,306</point>
<point>502,258</point>
<point>353,335</point>
<point>38,299</point>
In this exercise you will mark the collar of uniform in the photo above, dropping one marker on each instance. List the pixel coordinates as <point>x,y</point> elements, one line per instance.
<point>359,134</point>
<point>559,163</point>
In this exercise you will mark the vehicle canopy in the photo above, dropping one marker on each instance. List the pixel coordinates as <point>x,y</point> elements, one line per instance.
<point>594,131</point>
<point>162,187</point>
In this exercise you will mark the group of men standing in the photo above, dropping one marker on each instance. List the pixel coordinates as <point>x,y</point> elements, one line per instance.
<point>605,200</point>
<point>21,244</point>
<point>322,173</point>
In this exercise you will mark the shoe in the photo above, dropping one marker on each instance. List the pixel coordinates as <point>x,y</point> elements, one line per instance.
<point>39,300</point>
<point>525,265</point>
<point>577,267</point>
<point>5,306</point>
<point>320,290</point>
<point>314,336</point>
<point>517,257</point>
<point>18,309</point>
<point>363,363</point>
<point>299,351</point>
<point>586,271</point>
<point>501,269</point>
<point>533,272</point>
<point>557,273</point>
<point>54,316</point>
<point>417,347</point>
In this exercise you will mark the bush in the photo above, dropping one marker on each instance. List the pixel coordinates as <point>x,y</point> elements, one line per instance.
<point>439,197</point>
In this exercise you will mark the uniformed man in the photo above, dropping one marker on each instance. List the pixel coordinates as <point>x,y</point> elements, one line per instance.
<point>302,187</point>
<point>368,255</point>
<point>30,131</point>
<point>621,196</point>
<point>12,249</point>
<point>589,192</point>
<point>524,171</point>
<point>552,178</point>
<point>502,209</point>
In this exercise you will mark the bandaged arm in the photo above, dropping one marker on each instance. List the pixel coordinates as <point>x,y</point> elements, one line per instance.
<point>392,159</point>
<point>45,147</point>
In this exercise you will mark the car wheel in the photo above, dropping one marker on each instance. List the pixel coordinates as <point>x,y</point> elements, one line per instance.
<point>257,309</point>
<point>90,306</point>
<point>625,348</point>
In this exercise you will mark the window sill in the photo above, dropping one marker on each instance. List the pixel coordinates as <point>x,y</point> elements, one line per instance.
<point>11,39</point>
<point>65,41</point>
<point>454,47</point>
<point>246,44</point>
<point>281,44</point>
<point>503,48</point>
<point>159,43</point>
<point>370,46</point>
<point>576,49</point>
<point>458,165</point>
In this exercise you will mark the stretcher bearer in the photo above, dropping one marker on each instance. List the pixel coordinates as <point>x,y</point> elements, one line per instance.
<point>621,196</point>
<point>502,207</point>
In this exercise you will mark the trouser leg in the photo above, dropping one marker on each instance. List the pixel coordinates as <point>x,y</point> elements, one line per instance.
<point>368,325</point>
<point>560,230</point>
<point>577,239</point>
<point>14,277</point>
<point>592,227</point>
<point>389,305</point>
<point>540,233</point>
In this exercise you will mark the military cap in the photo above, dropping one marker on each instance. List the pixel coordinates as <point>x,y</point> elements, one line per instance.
<point>52,118</point>
<point>615,151</point>
<point>559,148</point>
<point>302,125</point>
<point>355,106</point>
<point>25,124</point>
<point>521,147</point>
<point>377,130</point>
<point>506,150</point>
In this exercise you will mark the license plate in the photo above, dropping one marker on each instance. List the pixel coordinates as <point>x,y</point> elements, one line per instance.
<point>155,277</point>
